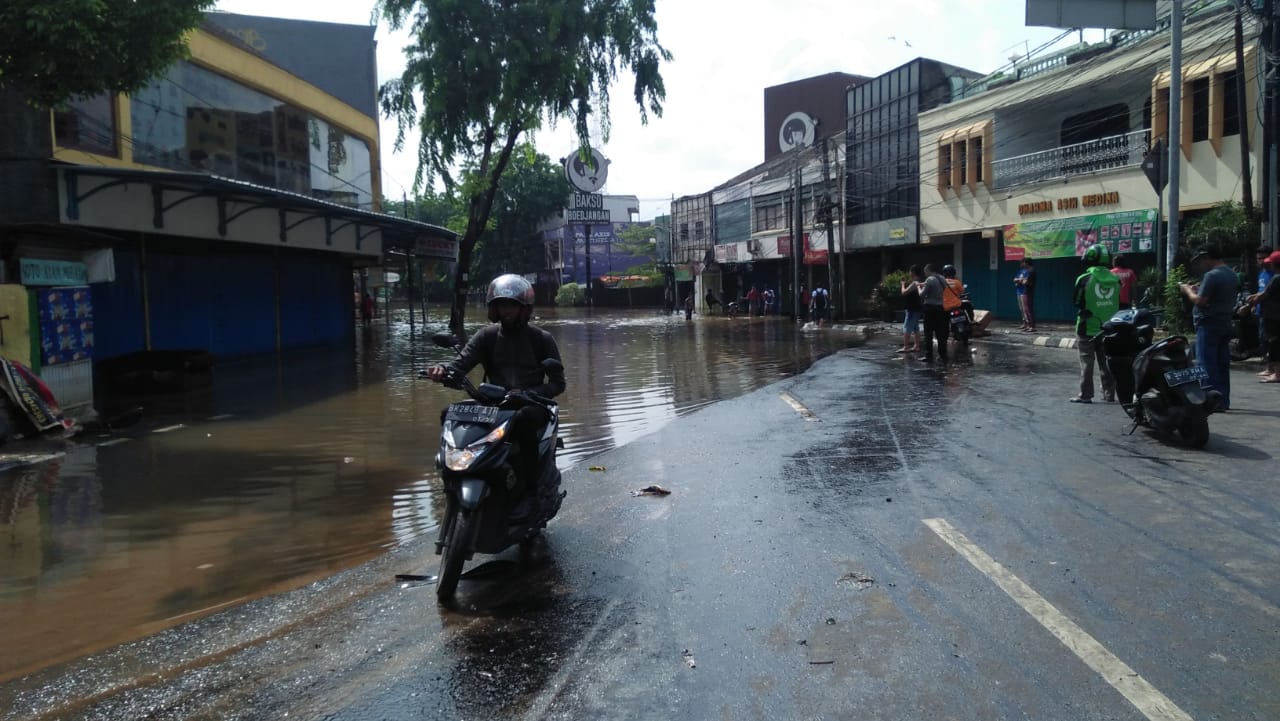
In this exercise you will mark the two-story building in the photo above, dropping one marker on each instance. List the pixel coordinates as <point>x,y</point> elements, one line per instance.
<point>220,210</point>
<point>1045,166</point>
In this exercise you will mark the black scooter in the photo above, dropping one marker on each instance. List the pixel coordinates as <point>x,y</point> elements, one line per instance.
<point>1156,383</point>
<point>487,506</point>
<point>962,320</point>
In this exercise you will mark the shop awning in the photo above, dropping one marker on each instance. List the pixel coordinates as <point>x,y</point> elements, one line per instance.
<point>87,190</point>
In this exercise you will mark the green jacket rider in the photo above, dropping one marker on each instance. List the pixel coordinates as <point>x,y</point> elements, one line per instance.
<point>1097,293</point>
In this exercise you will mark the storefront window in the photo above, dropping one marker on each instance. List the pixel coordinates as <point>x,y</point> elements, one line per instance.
<point>87,124</point>
<point>193,119</point>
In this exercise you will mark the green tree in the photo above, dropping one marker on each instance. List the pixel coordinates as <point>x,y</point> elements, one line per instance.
<point>55,50</point>
<point>437,208</point>
<point>1227,225</point>
<point>488,71</point>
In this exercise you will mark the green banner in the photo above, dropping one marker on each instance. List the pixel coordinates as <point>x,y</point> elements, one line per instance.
<point>1128,232</point>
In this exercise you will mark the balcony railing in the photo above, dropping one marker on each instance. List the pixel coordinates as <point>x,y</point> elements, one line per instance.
<point>1117,151</point>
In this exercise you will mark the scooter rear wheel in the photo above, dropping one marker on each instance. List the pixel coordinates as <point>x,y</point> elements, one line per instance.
<point>1195,432</point>
<point>455,554</point>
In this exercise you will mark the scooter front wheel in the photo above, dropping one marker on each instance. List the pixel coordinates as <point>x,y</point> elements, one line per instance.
<point>455,554</point>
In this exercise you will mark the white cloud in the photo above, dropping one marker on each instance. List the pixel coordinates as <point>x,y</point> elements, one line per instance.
<point>726,53</point>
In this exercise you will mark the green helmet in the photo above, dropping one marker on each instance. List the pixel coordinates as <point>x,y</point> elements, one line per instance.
<point>1097,254</point>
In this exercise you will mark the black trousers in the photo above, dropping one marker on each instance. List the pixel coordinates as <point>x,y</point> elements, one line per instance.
<point>937,324</point>
<point>526,430</point>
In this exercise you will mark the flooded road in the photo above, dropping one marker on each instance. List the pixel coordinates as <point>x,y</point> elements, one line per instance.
<point>285,470</point>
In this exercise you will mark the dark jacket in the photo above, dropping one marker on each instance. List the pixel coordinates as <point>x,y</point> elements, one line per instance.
<point>513,361</point>
<point>1269,303</point>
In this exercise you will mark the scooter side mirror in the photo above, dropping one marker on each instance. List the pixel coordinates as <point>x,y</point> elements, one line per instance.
<point>444,340</point>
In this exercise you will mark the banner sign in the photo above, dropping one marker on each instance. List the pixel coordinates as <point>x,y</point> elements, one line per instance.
<point>1126,232</point>
<point>29,393</point>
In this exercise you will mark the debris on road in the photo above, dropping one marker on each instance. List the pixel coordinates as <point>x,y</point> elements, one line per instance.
<point>856,579</point>
<point>654,490</point>
<point>596,468</point>
<point>688,658</point>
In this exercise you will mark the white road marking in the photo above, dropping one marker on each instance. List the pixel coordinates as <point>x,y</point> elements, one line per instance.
<point>166,429</point>
<point>15,460</point>
<point>220,417</point>
<point>114,442</point>
<point>798,407</point>
<point>1041,341</point>
<point>1145,697</point>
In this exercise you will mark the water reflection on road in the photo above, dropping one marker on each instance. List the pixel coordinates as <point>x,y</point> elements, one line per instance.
<point>284,470</point>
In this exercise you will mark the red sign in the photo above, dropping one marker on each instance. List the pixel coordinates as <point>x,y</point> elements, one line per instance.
<point>812,256</point>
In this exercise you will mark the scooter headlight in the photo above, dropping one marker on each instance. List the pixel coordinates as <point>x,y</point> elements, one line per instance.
<point>460,459</point>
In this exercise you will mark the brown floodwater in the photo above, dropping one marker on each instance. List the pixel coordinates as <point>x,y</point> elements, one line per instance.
<point>279,471</point>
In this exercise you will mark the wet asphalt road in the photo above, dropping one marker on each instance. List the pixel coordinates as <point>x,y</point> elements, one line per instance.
<point>791,574</point>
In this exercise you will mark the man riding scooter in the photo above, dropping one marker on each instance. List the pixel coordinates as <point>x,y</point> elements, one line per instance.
<point>512,351</point>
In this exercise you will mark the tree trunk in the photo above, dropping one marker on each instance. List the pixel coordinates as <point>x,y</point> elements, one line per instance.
<point>477,218</point>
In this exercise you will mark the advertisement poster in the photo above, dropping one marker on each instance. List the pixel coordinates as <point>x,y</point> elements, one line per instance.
<point>66,324</point>
<point>1127,232</point>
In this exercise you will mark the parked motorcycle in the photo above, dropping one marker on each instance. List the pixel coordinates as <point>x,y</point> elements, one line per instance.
<point>1156,383</point>
<point>1244,330</point>
<point>487,506</point>
<point>962,320</point>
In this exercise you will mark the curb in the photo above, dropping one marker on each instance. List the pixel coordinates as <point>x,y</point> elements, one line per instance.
<point>1065,342</point>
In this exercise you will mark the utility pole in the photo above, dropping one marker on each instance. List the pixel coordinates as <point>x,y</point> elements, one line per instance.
<point>797,239</point>
<point>586,233</point>
<point>826,212</point>
<point>1242,110</point>
<point>1268,123</point>
<point>844,220</point>
<point>1175,131</point>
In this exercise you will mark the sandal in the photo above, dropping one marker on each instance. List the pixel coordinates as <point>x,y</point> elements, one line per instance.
<point>1079,399</point>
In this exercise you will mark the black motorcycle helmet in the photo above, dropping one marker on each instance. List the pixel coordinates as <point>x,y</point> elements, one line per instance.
<point>949,270</point>
<point>510,287</point>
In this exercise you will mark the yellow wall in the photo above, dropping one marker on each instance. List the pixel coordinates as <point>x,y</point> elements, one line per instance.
<point>15,303</point>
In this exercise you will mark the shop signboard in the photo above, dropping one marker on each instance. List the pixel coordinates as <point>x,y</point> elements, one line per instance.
<point>38,271</point>
<point>1124,232</point>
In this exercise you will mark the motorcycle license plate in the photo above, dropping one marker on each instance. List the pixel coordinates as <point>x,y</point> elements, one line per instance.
<point>471,413</point>
<point>1185,375</point>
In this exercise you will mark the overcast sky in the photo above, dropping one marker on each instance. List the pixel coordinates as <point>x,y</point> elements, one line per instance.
<point>725,53</point>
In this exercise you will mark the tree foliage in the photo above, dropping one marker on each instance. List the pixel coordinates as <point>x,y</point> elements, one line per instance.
<point>55,50</point>
<point>532,189</point>
<point>481,73</point>
<point>1227,225</point>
